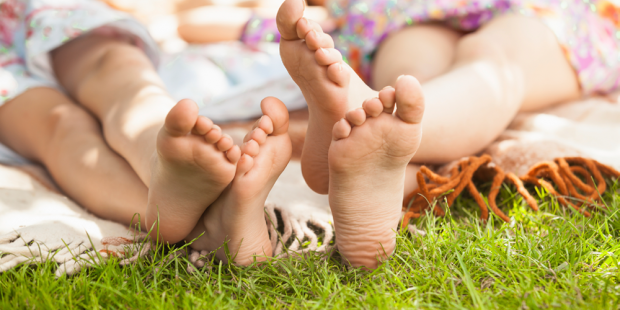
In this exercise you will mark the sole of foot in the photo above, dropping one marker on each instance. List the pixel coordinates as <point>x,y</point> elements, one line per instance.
<point>368,157</point>
<point>328,84</point>
<point>193,165</point>
<point>237,217</point>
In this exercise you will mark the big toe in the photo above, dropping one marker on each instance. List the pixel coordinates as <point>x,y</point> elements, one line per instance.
<point>409,99</point>
<point>181,118</point>
<point>277,112</point>
<point>288,15</point>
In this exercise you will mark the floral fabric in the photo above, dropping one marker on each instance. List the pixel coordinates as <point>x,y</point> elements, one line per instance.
<point>588,30</point>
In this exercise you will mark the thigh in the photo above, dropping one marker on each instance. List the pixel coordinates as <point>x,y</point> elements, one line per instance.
<point>424,51</point>
<point>529,44</point>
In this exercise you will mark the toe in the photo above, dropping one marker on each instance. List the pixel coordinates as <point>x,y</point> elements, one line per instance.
<point>388,99</point>
<point>327,56</point>
<point>342,129</point>
<point>409,99</point>
<point>214,134</point>
<point>306,26</point>
<point>356,117</point>
<point>225,143</point>
<point>373,107</point>
<point>202,126</point>
<point>233,154</point>
<point>258,135</point>
<point>244,165</point>
<point>339,73</point>
<point>316,40</point>
<point>277,112</point>
<point>251,148</point>
<point>265,124</point>
<point>181,118</point>
<point>288,15</point>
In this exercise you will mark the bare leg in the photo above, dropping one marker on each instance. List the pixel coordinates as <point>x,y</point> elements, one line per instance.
<point>183,158</point>
<point>117,83</point>
<point>513,63</point>
<point>45,126</point>
<point>424,51</point>
<point>370,148</point>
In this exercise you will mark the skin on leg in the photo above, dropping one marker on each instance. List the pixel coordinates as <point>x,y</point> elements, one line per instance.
<point>117,83</point>
<point>511,64</point>
<point>424,51</point>
<point>183,158</point>
<point>45,126</point>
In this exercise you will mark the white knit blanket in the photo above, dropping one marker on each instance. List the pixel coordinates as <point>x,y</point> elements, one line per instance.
<point>38,224</point>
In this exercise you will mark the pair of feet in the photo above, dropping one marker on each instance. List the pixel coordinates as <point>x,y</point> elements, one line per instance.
<point>357,147</point>
<point>359,142</point>
<point>206,188</point>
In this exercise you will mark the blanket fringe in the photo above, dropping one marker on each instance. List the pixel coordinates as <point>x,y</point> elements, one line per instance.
<point>565,173</point>
<point>292,231</point>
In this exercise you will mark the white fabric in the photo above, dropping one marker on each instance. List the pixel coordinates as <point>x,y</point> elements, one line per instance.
<point>228,80</point>
<point>37,224</point>
<point>588,128</point>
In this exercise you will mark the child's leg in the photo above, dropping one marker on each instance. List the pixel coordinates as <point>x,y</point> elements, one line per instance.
<point>511,63</point>
<point>182,158</point>
<point>424,51</point>
<point>369,149</point>
<point>45,126</point>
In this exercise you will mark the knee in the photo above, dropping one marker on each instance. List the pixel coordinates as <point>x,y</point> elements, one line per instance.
<point>493,61</point>
<point>69,122</point>
<point>508,38</point>
<point>480,46</point>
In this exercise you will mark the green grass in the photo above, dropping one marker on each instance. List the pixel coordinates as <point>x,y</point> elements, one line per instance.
<point>553,258</point>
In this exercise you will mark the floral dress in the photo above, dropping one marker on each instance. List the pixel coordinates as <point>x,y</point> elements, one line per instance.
<point>587,30</point>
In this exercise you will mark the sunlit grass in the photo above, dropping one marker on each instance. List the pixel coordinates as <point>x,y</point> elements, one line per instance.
<point>554,258</point>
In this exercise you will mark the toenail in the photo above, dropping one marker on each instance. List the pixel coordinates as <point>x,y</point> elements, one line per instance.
<point>324,51</point>
<point>400,77</point>
<point>339,67</point>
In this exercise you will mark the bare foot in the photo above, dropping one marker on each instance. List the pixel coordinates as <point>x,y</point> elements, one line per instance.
<point>368,157</point>
<point>329,85</point>
<point>238,215</point>
<point>193,165</point>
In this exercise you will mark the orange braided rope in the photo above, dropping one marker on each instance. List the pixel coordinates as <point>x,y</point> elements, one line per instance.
<point>564,173</point>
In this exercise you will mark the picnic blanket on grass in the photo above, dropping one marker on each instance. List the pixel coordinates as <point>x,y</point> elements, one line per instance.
<point>38,223</point>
